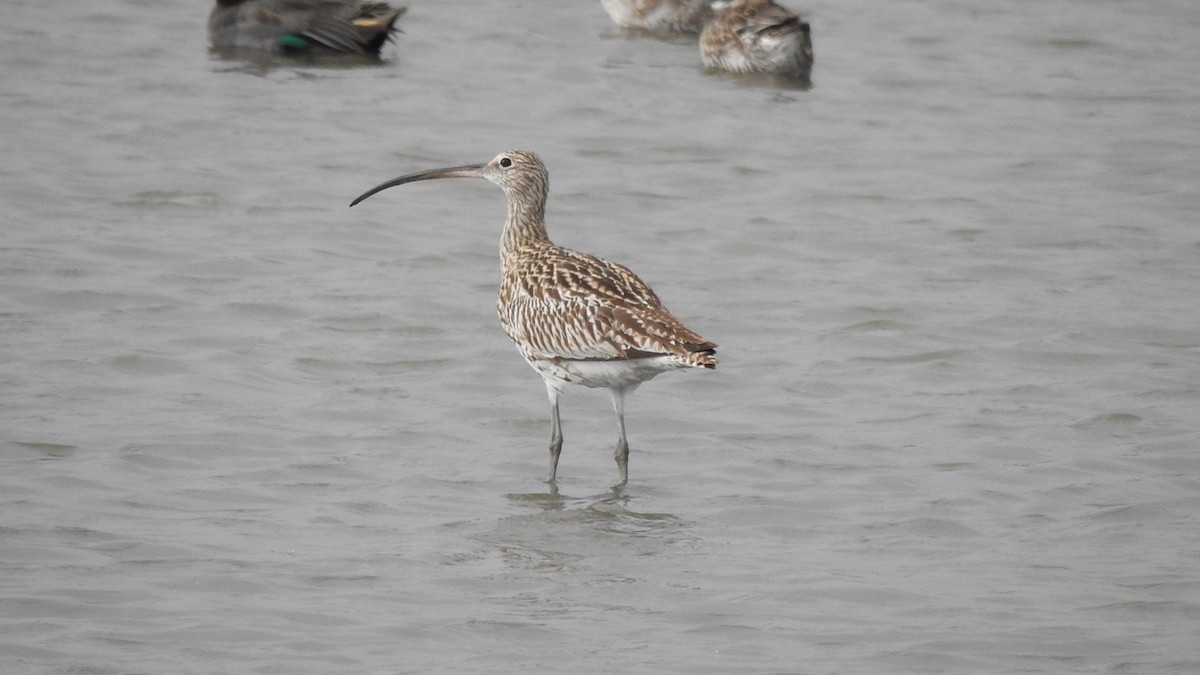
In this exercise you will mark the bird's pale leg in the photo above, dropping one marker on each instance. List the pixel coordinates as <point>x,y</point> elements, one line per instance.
<point>622,452</point>
<point>556,437</point>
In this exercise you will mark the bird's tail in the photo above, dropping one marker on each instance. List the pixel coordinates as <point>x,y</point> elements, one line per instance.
<point>703,356</point>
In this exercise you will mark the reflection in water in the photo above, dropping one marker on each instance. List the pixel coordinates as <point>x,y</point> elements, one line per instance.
<point>568,528</point>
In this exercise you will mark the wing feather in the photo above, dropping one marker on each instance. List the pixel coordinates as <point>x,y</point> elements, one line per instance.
<point>558,303</point>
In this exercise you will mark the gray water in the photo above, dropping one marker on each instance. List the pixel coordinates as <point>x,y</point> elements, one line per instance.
<point>955,429</point>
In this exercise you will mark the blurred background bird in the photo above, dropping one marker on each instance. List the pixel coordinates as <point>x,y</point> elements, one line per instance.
<point>303,27</point>
<point>757,36</point>
<point>665,16</point>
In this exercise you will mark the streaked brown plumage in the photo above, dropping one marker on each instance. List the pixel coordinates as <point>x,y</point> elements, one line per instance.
<point>668,16</point>
<point>757,36</point>
<point>576,318</point>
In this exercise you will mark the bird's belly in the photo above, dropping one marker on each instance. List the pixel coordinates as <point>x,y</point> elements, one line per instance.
<point>603,373</point>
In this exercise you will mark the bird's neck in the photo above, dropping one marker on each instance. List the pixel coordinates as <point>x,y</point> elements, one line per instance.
<point>525,226</point>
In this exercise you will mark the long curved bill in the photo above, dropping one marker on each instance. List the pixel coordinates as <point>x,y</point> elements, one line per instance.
<point>468,171</point>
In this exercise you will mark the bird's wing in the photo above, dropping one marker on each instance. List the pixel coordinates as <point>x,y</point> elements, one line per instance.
<point>766,16</point>
<point>346,27</point>
<point>335,32</point>
<point>565,304</point>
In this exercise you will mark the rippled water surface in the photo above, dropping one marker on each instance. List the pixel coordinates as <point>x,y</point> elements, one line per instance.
<point>244,428</point>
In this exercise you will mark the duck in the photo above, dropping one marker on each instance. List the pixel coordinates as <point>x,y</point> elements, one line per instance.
<point>660,16</point>
<point>303,27</point>
<point>757,36</point>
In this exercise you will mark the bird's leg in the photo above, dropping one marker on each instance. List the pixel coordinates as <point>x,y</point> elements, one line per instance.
<point>622,451</point>
<point>556,437</point>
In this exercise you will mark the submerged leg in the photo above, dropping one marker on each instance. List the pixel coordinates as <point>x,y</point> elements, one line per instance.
<point>556,437</point>
<point>622,452</point>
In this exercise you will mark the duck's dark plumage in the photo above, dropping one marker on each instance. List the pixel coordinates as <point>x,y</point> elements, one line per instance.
<point>303,27</point>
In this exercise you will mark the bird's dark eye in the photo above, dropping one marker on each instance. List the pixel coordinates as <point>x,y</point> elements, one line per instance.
<point>505,162</point>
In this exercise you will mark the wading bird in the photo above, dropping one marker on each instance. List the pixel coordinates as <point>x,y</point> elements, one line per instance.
<point>577,319</point>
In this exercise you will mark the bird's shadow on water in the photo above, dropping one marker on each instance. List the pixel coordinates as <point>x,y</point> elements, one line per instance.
<point>613,511</point>
<point>767,81</point>
<point>555,532</point>
<point>261,62</point>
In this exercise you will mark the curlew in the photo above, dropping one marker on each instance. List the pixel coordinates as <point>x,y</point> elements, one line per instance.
<point>667,16</point>
<point>577,319</point>
<point>303,27</point>
<point>757,36</point>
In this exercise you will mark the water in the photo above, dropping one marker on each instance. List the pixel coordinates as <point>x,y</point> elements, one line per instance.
<point>244,428</point>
